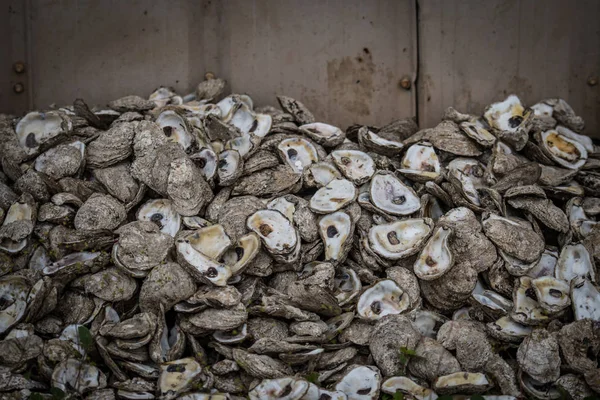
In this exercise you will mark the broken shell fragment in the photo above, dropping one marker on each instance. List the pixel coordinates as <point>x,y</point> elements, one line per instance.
<point>585,298</point>
<point>552,294</point>
<point>574,261</point>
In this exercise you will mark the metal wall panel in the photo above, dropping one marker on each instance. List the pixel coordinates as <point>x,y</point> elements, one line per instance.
<point>13,50</point>
<point>343,58</point>
<point>475,52</point>
<point>101,50</point>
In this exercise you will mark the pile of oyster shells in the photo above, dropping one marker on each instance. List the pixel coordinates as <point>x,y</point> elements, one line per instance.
<point>198,247</point>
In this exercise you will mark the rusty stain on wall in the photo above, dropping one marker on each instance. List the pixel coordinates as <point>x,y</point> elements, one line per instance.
<point>350,82</point>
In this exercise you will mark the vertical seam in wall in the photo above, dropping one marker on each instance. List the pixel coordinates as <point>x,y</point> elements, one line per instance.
<point>417,58</point>
<point>28,53</point>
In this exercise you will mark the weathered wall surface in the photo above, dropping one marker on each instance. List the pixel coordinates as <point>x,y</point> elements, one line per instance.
<point>344,58</point>
<point>476,52</point>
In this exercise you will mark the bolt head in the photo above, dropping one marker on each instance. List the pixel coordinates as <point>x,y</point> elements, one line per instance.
<point>18,88</point>
<point>19,67</point>
<point>592,81</point>
<point>209,75</point>
<point>405,83</point>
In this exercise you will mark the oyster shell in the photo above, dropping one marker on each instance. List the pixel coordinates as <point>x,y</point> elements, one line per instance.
<point>355,165</point>
<point>391,196</point>
<point>421,163</point>
<point>400,239</point>
<point>162,213</point>
<point>37,129</point>
<point>436,258</point>
<point>564,151</point>
<point>324,134</point>
<point>466,262</point>
<point>383,298</point>
<point>361,383</point>
<point>510,121</point>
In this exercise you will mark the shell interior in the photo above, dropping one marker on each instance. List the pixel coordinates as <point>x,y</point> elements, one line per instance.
<point>274,229</point>
<point>175,128</point>
<point>436,258</point>
<point>564,151</point>
<point>298,153</point>
<point>337,194</point>
<point>362,383</point>
<point>383,298</point>
<point>574,261</point>
<point>335,229</point>
<point>355,165</point>
<point>392,196</point>
<point>162,213</point>
<point>399,239</point>
<point>36,128</point>
<point>212,241</point>
<point>421,160</point>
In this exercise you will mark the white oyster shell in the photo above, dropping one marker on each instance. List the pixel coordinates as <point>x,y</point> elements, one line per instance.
<point>408,386</point>
<point>392,196</point>
<point>279,389</point>
<point>400,239</point>
<point>275,231</point>
<point>421,162</point>
<point>574,261</point>
<point>381,299</point>
<point>176,128</point>
<point>336,232</point>
<point>298,153</point>
<point>162,213</point>
<point>435,258</point>
<point>565,151</point>
<point>355,165</point>
<point>335,195</point>
<point>552,294</point>
<point>324,134</point>
<point>36,128</point>
<point>585,298</point>
<point>362,383</point>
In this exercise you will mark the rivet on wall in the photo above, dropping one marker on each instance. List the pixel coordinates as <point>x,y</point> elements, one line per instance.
<point>405,83</point>
<point>19,67</point>
<point>18,88</point>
